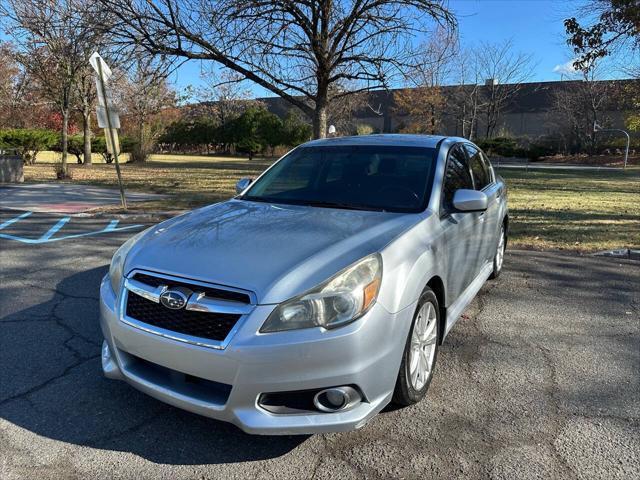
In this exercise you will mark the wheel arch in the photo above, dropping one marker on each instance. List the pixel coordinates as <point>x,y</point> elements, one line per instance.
<point>437,285</point>
<point>505,222</point>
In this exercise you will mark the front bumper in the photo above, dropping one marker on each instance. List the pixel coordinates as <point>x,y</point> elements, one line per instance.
<point>366,353</point>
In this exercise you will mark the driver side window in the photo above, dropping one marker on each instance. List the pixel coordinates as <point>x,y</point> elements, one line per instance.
<point>456,176</point>
<point>479,169</point>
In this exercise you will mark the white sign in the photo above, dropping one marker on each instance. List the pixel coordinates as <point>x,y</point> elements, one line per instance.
<point>97,62</point>
<point>107,115</point>
<point>102,97</point>
<point>103,122</point>
<point>108,134</point>
<point>96,59</point>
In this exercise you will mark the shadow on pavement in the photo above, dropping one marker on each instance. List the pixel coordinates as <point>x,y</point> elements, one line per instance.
<point>60,392</point>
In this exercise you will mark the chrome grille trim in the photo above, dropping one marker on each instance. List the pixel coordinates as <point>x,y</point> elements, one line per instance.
<point>197,302</point>
<point>145,290</point>
<point>193,283</point>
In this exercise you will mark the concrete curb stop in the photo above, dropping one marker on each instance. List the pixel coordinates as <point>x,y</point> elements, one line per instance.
<point>132,216</point>
<point>628,253</point>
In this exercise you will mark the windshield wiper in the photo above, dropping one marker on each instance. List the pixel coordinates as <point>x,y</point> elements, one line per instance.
<point>344,206</point>
<point>312,203</point>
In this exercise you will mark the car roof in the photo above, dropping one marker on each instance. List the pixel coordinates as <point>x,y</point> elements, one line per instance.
<point>385,139</point>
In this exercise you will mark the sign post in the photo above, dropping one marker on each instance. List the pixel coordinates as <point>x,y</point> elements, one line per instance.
<point>108,117</point>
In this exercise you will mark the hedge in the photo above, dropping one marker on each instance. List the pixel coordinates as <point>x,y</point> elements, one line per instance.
<point>28,142</point>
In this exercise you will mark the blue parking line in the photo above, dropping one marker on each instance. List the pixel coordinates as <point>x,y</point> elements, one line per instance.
<point>48,236</point>
<point>14,220</point>
<point>55,228</point>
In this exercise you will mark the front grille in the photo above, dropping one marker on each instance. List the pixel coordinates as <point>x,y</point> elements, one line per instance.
<point>211,292</point>
<point>213,326</point>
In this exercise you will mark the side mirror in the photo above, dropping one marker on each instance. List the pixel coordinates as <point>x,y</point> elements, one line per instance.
<point>242,184</point>
<point>470,200</point>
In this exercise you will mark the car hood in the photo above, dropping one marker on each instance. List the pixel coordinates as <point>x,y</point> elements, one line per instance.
<point>277,251</point>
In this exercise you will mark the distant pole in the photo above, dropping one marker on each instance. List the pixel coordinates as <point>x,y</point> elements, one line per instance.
<point>598,128</point>
<point>111,131</point>
<point>626,150</point>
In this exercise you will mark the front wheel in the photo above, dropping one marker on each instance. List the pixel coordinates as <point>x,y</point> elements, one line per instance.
<point>498,259</point>
<point>420,353</point>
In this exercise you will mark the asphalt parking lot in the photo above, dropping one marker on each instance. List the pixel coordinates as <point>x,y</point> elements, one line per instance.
<point>540,379</point>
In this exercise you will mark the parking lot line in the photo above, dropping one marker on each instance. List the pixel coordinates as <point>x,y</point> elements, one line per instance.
<point>48,236</point>
<point>55,228</point>
<point>14,220</point>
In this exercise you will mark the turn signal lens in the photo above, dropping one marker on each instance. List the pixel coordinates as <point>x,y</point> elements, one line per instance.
<point>370,293</point>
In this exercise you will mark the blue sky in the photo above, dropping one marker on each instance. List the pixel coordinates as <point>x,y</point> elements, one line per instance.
<point>534,26</point>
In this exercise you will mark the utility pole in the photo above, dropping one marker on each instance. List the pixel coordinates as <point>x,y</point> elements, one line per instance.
<point>598,128</point>
<point>108,118</point>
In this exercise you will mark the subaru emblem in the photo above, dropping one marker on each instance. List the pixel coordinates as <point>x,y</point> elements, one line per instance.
<point>173,299</point>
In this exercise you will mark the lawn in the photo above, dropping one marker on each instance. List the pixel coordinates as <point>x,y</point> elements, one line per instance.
<point>574,210</point>
<point>550,209</point>
<point>191,181</point>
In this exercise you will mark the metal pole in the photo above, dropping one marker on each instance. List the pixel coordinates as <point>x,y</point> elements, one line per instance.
<point>596,128</point>
<point>626,152</point>
<point>111,136</point>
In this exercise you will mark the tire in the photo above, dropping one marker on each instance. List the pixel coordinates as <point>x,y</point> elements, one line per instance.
<point>498,259</point>
<point>411,388</point>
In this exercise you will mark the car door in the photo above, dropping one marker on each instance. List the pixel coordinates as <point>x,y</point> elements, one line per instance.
<point>461,230</point>
<point>484,180</point>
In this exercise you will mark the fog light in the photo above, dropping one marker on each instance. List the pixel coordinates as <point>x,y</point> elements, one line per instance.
<point>336,399</point>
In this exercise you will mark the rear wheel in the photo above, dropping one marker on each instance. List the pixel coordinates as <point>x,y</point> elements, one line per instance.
<point>498,259</point>
<point>420,353</point>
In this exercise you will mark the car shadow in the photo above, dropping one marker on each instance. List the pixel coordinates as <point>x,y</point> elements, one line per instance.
<point>55,388</point>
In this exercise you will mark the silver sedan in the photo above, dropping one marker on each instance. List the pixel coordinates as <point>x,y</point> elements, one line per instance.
<point>317,295</point>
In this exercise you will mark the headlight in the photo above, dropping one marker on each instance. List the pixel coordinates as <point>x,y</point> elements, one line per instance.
<point>117,262</point>
<point>340,300</point>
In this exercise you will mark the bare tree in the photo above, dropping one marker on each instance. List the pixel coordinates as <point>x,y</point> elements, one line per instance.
<point>143,94</point>
<point>296,49</point>
<point>21,103</point>
<point>505,71</point>
<point>423,101</point>
<point>341,111</point>
<point>580,103</point>
<point>87,95</point>
<point>13,86</point>
<point>465,100</point>
<point>53,39</point>
<point>226,95</point>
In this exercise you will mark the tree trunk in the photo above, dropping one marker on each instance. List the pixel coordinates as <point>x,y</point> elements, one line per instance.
<point>86,125</point>
<point>65,140</point>
<point>142,147</point>
<point>320,118</point>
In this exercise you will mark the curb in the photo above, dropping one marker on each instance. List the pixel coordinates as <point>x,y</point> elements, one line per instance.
<point>628,253</point>
<point>154,216</point>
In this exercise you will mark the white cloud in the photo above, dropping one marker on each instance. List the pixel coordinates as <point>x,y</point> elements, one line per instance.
<point>565,68</point>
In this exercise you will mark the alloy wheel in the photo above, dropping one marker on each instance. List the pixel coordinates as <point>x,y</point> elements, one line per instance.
<point>500,251</point>
<point>423,346</point>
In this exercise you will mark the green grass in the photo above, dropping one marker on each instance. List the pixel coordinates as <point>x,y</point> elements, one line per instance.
<point>574,210</point>
<point>190,181</point>
<point>54,157</point>
<point>550,209</point>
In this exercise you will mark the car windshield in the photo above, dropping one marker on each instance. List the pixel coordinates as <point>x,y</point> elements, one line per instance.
<point>383,178</point>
